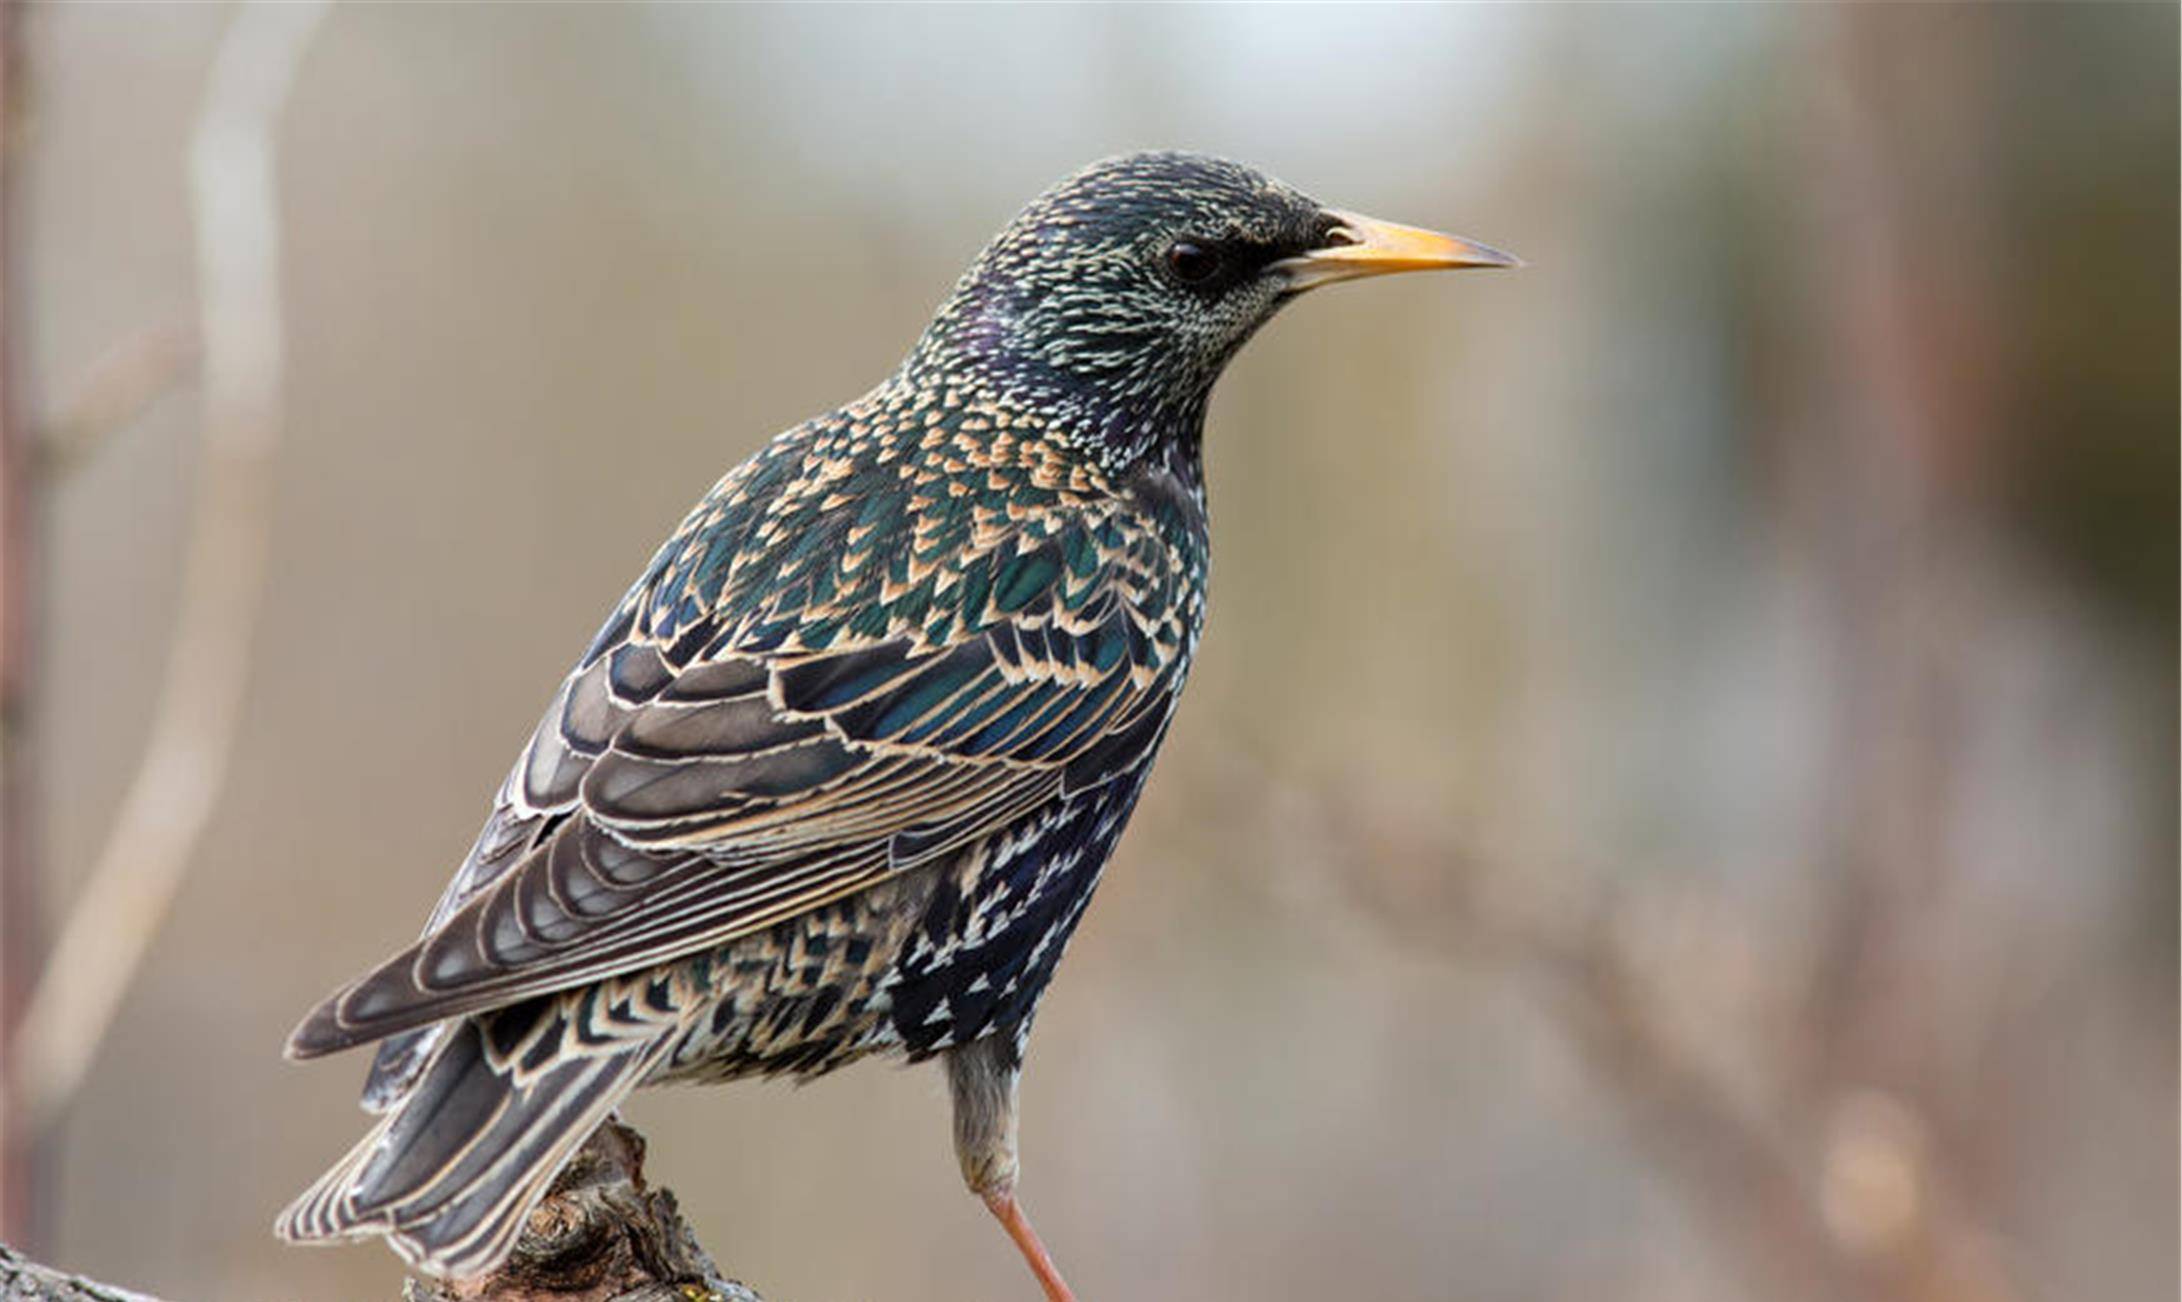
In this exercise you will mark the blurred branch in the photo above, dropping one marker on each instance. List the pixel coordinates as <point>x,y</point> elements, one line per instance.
<point>185,760</point>
<point>1732,1165</point>
<point>18,572</point>
<point>1821,1192</point>
<point>122,385</point>
<point>1910,401</point>
<point>1576,954</point>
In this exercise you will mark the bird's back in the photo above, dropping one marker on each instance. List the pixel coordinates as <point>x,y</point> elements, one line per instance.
<point>920,628</point>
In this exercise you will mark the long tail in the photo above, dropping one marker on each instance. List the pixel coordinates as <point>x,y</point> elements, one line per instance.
<point>451,1172</point>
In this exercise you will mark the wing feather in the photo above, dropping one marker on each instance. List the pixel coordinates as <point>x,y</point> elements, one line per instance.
<point>694,781</point>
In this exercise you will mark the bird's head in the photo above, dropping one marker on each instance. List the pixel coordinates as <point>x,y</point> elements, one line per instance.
<point>1117,296</point>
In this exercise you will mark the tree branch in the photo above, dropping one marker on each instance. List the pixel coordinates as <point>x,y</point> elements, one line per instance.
<point>184,766</point>
<point>19,538</point>
<point>604,1234</point>
<point>1813,1193</point>
<point>121,387</point>
<point>24,1279</point>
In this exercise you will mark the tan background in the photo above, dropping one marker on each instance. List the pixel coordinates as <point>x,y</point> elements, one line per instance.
<point>1771,589</point>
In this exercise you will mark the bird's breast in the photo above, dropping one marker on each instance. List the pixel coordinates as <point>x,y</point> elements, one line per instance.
<point>998,921</point>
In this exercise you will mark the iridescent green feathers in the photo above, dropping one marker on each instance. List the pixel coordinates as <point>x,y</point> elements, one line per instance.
<point>915,515</point>
<point>1071,312</point>
<point>896,630</point>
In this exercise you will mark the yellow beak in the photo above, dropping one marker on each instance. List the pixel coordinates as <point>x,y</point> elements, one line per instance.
<point>1371,247</point>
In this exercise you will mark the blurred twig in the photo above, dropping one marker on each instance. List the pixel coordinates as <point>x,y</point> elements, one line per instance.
<point>18,538</point>
<point>185,760</point>
<point>138,372</point>
<point>1818,1191</point>
<point>1404,881</point>
<point>1909,409</point>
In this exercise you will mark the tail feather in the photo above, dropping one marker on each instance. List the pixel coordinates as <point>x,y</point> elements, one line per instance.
<point>401,1059</point>
<point>451,1173</point>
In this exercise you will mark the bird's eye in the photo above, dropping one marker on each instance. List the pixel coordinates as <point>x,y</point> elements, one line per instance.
<point>1193,263</point>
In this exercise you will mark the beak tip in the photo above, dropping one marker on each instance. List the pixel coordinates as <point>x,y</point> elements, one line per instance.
<point>1485,255</point>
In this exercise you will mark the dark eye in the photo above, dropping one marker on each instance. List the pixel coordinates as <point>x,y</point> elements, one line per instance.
<point>1193,263</point>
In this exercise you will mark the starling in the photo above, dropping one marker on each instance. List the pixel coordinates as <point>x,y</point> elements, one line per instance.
<point>841,770</point>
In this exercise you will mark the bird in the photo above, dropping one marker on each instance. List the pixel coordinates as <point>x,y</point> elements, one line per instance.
<point>838,775</point>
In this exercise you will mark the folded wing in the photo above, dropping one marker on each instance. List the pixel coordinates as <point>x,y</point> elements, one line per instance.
<point>685,790</point>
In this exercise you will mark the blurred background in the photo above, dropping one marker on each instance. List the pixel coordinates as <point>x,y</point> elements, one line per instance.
<point>1678,798</point>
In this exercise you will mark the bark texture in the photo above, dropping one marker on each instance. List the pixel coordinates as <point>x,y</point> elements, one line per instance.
<point>23,1280</point>
<point>603,1235</point>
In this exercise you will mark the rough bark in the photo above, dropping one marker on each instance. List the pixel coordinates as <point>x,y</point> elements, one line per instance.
<point>24,1280</point>
<point>603,1235</point>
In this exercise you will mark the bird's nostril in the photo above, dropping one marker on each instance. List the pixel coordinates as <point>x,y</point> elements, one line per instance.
<point>1339,237</point>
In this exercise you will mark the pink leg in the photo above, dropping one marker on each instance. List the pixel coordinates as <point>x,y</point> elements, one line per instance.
<point>1009,1213</point>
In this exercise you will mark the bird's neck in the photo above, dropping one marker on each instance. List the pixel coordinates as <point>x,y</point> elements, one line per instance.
<point>1123,436</point>
<point>1123,418</point>
<point>1118,434</point>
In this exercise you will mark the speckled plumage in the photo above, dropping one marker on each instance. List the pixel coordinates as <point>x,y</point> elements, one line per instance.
<point>838,775</point>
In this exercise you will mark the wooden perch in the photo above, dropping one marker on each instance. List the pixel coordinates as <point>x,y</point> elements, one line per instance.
<point>23,1280</point>
<point>602,1235</point>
